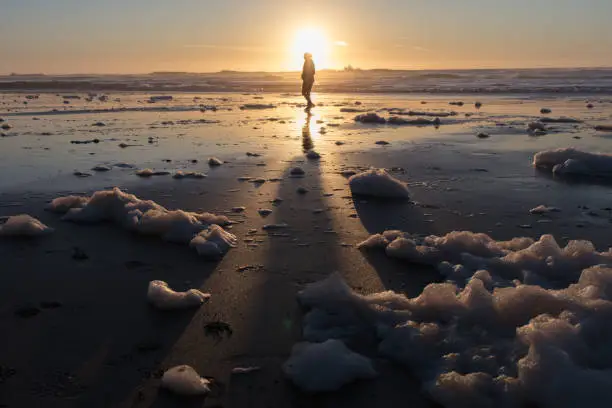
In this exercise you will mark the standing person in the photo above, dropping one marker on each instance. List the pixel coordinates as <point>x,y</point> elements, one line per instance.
<point>308,78</point>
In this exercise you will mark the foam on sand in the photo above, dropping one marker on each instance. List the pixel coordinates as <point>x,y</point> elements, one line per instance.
<point>542,209</point>
<point>513,346</point>
<point>184,380</point>
<point>201,231</point>
<point>150,173</point>
<point>188,175</point>
<point>570,161</point>
<point>101,168</point>
<point>543,262</point>
<point>162,297</point>
<point>374,241</point>
<point>23,225</point>
<point>213,161</point>
<point>61,205</point>
<point>517,323</point>
<point>370,118</point>
<point>536,126</point>
<point>396,120</point>
<point>378,183</point>
<point>327,366</point>
<point>214,242</point>
<point>245,370</point>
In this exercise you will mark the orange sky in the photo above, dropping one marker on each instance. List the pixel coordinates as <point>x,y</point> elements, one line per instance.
<point>135,36</point>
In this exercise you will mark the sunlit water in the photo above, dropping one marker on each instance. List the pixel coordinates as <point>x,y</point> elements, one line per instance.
<point>38,150</point>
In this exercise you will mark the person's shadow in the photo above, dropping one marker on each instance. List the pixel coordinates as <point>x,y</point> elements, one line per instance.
<point>307,143</point>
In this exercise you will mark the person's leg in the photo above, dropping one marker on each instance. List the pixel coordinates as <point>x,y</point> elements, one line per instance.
<point>305,92</point>
<point>308,91</point>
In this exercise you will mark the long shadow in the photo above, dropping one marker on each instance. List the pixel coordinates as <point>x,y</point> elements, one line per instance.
<point>379,215</point>
<point>299,254</point>
<point>307,251</point>
<point>94,338</point>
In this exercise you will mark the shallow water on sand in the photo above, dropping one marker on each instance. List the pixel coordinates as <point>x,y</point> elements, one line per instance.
<point>49,139</point>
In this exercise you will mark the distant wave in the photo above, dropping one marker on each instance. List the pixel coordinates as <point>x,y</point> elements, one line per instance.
<point>534,81</point>
<point>439,76</point>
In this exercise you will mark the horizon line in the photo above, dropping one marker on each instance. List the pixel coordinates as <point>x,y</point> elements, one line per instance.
<point>226,71</point>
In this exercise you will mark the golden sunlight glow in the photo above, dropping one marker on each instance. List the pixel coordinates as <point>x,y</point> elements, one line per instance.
<point>314,41</point>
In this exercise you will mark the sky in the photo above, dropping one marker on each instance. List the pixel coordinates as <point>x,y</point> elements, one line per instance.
<point>140,36</point>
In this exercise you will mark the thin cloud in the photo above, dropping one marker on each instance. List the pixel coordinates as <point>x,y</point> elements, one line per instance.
<point>341,43</point>
<point>227,47</point>
<point>418,48</point>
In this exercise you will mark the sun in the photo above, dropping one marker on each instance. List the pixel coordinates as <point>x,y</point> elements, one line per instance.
<point>312,40</point>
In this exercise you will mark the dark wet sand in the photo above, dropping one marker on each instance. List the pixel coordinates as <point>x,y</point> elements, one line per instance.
<point>104,346</point>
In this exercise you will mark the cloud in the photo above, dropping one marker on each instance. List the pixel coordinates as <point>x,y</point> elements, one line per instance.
<point>227,47</point>
<point>341,43</point>
<point>418,48</point>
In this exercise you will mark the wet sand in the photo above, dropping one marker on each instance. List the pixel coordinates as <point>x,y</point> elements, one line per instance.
<point>94,341</point>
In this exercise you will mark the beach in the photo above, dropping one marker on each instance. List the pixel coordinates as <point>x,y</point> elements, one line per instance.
<point>78,330</point>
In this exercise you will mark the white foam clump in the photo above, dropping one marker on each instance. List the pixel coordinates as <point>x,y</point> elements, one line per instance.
<point>572,161</point>
<point>185,380</point>
<point>214,242</point>
<point>517,323</point>
<point>150,173</point>
<point>327,366</point>
<point>201,231</point>
<point>163,297</point>
<point>543,209</point>
<point>245,370</point>
<point>374,241</point>
<point>188,175</point>
<point>23,225</point>
<point>213,161</point>
<point>61,205</point>
<point>396,120</point>
<point>378,183</point>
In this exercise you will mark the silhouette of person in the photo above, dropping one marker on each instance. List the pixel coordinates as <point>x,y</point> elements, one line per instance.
<point>308,78</point>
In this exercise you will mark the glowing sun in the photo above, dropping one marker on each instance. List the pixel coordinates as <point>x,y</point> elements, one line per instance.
<point>314,41</point>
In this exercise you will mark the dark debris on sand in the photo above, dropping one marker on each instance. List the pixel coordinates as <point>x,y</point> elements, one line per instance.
<point>217,330</point>
<point>26,312</point>
<point>79,255</point>
<point>6,373</point>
